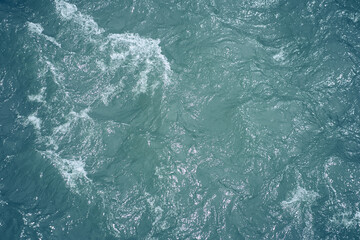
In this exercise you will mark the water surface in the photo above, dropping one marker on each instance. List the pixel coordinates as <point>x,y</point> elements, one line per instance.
<point>179,119</point>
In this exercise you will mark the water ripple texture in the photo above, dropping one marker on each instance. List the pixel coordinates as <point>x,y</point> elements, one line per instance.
<point>179,119</point>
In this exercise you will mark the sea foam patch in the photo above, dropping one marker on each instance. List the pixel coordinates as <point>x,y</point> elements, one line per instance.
<point>35,121</point>
<point>118,69</point>
<point>38,29</point>
<point>300,195</point>
<point>38,97</point>
<point>299,207</point>
<point>127,51</point>
<point>69,11</point>
<point>35,27</point>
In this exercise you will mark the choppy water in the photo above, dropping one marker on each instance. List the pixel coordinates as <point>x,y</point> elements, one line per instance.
<point>173,119</point>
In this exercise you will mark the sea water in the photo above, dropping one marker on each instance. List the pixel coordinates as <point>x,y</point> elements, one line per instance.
<point>200,119</point>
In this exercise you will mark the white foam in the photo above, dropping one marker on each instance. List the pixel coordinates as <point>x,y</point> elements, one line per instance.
<point>69,11</point>
<point>35,27</point>
<point>299,206</point>
<point>35,121</point>
<point>66,10</point>
<point>347,219</point>
<point>279,57</point>
<point>137,51</point>
<point>300,195</point>
<point>105,95</point>
<point>39,97</point>
<point>82,114</point>
<point>3,203</point>
<point>357,216</point>
<point>63,128</point>
<point>72,170</point>
<point>110,91</point>
<point>141,54</point>
<point>119,62</point>
<point>157,211</point>
<point>58,77</point>
<point>38,29</point>
<point>101,65</point>
<point>72,118</point>
<point>263,3</point>
<point>51,39</point>
<point>140,51</point>
<point>72,167</point>
<point>119,56</point>
<point>141,85</point>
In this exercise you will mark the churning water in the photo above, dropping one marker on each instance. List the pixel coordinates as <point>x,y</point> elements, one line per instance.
<point>201,119</point>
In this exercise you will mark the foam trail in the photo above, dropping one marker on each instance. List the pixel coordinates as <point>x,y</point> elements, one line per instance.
<point>35,27</point>
<point>300,195</point>
<point>38,29</point>
<point>72,170</point>
<point>139,50</point>
<point>119,69</point>
<point>279,57</point>
<point>39,97</point>
<point>299,206</point>
<point>69,11</point>
<point>347,219</point>
<point>35,121</point>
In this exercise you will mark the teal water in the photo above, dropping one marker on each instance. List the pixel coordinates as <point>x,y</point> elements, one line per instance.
<point>173,119</point>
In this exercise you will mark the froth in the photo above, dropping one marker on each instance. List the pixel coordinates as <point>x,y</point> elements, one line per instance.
<point>347,219</point>
<point>38,29</point>
<point>140,51</point>
<point>264,3</point>
<point>299,207</point>
<point>35,121</point>
<point>120,67</point>
<point>39,97</point>
<point>70,12</point>
<point>136,54</point>
<point>65,9</point>
<point>299,196</point>
<point>35,27</point>
<point>72,170</point>
<point>279,56</point>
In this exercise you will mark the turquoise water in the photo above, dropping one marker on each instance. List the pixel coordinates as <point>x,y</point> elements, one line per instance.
<point>173,119</point>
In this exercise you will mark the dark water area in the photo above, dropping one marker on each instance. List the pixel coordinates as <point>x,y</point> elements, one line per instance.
<point>179,119</point>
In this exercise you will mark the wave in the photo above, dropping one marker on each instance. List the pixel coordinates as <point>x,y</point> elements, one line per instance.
<point>90,80</point>
<point>84,96</point>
